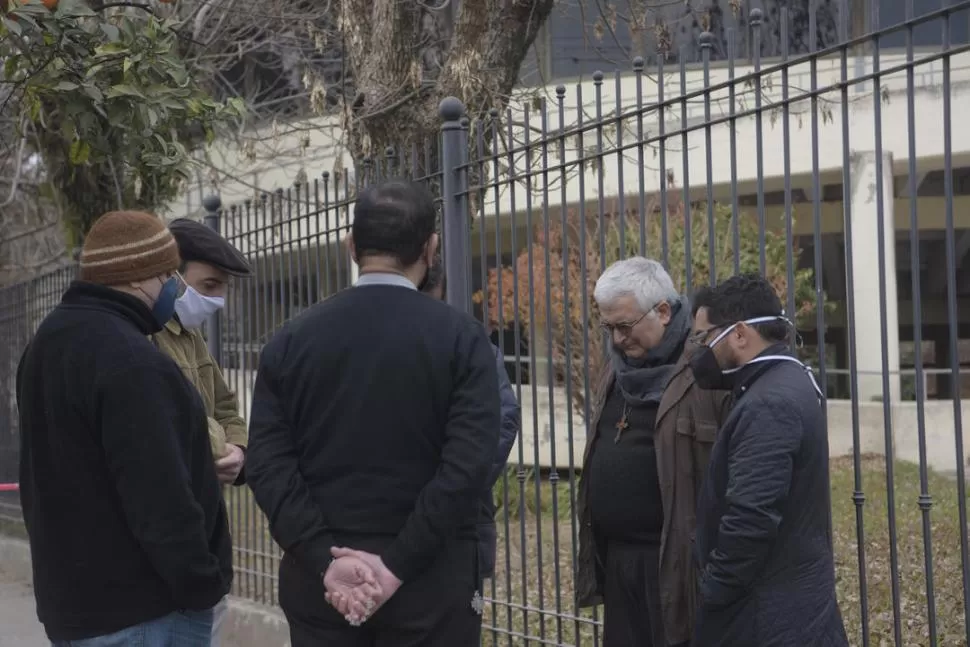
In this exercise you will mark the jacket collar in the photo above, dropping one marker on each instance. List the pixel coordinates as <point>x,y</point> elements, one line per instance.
<point>174,326</point>
<point>750,373</point>
<point>83,294</point>
<point>678,386</point>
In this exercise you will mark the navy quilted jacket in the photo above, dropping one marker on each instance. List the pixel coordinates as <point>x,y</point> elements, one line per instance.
<point>511,420</point>
<point>764,533</point>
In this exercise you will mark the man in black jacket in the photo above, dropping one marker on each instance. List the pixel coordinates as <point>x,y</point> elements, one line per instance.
<point>764,535</point>
<point>374,425</point>
<point>434,286</point>
<point>127,527</point>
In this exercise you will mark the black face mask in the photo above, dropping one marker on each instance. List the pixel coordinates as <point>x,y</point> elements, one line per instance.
<point>708,374</point>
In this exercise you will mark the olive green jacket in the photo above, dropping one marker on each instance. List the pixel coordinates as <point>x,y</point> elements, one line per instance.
<point>189,350</point>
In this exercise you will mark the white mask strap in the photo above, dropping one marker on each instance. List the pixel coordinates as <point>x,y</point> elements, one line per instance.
<point>782,358</point>
<point>724,333</point>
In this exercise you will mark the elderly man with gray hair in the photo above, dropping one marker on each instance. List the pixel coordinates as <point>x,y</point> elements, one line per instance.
<point>647,448</point>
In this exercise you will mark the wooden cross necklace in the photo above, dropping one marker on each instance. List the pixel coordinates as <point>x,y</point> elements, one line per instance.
<point>622,424</point>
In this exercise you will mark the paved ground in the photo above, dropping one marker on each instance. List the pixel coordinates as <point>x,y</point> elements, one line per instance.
<point>18,616</point>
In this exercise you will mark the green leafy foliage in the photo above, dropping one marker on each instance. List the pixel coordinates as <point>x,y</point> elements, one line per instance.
<point>114,106</point>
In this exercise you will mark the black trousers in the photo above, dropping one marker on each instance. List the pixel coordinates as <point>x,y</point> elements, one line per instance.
<point>631,596</point>
<point>432,610</point>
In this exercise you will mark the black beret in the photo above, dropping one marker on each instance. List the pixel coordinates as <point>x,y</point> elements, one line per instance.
<point>197,242</point>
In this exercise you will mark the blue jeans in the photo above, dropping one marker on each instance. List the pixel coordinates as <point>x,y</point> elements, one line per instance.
<point>180,629</point>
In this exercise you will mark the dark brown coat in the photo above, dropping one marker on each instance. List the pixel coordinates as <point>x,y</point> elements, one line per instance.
<point>687,422</point>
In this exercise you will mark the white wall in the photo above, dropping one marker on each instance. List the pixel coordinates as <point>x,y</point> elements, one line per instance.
<point>549,444</point>
<point>283,157</point>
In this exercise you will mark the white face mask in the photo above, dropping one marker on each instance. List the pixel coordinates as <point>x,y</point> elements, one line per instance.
<point>193,308</point>
<point>710,375</point>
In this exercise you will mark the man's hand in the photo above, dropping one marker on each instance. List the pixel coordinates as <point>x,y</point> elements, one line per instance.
<point>352,588</point>
<point>229,466</point>
<point>386,580</point>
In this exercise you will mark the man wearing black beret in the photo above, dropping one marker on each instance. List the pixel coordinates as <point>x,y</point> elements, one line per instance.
<point>208,264</point>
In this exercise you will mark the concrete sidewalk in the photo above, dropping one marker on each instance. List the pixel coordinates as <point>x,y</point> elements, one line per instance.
<point>247,625</point>
<point>18,616</point>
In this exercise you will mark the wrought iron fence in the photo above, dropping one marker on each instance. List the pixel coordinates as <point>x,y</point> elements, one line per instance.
<point>841,173</point>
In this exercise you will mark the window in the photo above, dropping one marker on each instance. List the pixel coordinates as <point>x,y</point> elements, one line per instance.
<point>583,38</point>
<point>927,34</point>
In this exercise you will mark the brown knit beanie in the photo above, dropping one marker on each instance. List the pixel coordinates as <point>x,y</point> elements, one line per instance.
<point>127,247</point>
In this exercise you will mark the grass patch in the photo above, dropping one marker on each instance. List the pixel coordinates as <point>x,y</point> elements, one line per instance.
<point>532,596</point>
<point>945,543</point>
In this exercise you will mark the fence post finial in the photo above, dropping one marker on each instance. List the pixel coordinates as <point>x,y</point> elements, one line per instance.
<point>212,203</point>
<point>755,17</point>
<point>451,109</point>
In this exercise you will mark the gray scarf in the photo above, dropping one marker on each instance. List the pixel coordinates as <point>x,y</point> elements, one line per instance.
<point>642,381</point>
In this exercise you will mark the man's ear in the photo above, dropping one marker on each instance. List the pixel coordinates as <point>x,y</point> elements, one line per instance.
<point>351,248</point>
<point>431,248</point>
<point>741,332</point>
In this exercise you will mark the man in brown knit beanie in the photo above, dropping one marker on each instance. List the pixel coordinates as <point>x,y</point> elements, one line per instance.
<point>128,530</point>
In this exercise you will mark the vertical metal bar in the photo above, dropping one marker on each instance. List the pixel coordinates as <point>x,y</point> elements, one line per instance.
<point>463,204</point>
<point>732,39</point>
<point>342,253</point>
<point>925,499</point>
<point>291,282</point>
<point>786,154</point>
<point>858,496</point>
<point>584,271</point>
<point>621,198</point>
<point>339,177</point>
<point>952,320</point>
<point>884,331</point>
<point>685,159</point>
<point>600,184</point>
<point>759,139</point>
<point>641,161</point>
<point>212,204</point>
<point>481,190</point>
<point>817,204</point>
<point>533,359</point>
<point>501,324</point>
<point>481,160</point>
<point>566,316</point>
<point>661,130</point>
<point>302,247</point>
<point>707,42</point>
<point>550,368</point>
<point>252,516</point>
<point>454,218</point>
<point>317,247</point>
<point>517,328</point>
<point>247,363</point>
<point>331,287</point>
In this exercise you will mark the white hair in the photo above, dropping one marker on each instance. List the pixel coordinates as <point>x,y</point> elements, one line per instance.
<point>641,278</point>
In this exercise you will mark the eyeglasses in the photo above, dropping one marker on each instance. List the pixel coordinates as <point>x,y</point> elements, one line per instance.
<point>625,328</point>
<point>701,336</point>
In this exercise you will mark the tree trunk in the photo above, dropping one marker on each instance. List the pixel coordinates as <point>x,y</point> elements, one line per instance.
<point>406,58</point>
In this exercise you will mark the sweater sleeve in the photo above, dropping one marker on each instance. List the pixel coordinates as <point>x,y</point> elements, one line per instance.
<point>511,419</point>
<point>273,470</point>
<point>227,410</point>
<point>142,410</point>
<point>470,443</point>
